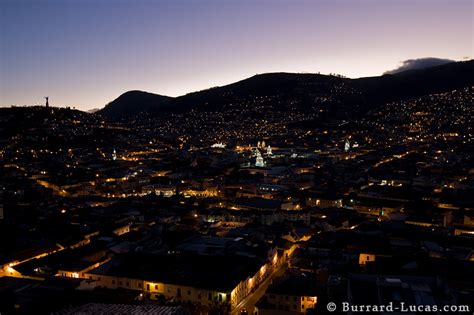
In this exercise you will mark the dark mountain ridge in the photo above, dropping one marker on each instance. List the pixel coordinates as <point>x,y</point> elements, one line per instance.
<point>134,102</point>
<point>340,95</point>
<point>418,82</point>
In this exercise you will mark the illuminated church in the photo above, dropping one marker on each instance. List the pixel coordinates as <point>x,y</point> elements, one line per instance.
<point>259,162</point>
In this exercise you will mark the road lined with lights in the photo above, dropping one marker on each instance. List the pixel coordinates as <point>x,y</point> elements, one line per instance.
<point>248,303</point>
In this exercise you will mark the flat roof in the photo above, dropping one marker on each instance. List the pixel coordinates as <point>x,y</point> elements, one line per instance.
<point>100,308</point>
<point>220,273</point>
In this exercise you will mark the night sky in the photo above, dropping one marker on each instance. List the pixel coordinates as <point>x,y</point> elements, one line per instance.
<point>85,53</point>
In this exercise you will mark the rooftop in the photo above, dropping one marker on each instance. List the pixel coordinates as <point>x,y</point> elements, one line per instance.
<point>221,273</point>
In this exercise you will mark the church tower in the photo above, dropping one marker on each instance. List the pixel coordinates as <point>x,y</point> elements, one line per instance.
<point>347,146</point>
<point>269,150</point>
<point>259,162</point>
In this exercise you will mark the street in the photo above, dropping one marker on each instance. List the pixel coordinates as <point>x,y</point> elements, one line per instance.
<point>249,302</point>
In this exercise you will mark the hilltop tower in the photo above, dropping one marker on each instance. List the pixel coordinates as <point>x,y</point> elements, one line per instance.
<point>47,101</point>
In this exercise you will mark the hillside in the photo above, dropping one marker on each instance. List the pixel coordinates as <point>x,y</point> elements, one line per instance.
<point>336,95</point>
<point>133,102</point>
<point>415,83</point>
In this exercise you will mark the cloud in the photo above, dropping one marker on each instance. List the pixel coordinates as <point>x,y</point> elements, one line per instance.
<point>419,63</point>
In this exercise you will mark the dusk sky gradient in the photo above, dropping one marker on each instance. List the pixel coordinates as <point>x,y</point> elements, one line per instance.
<point>85,53</point>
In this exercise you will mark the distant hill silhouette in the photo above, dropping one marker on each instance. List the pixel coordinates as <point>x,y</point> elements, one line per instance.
<point>344,96</point>
<point>414,83</point>
<point>133,102</point>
